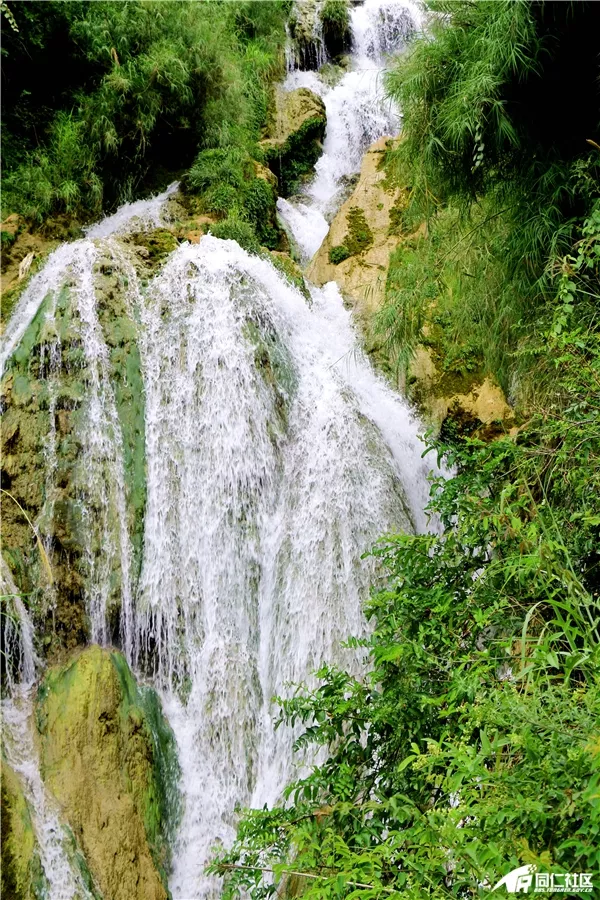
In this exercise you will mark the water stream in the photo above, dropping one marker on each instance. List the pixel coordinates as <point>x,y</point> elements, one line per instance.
<point>62,879</point>
<point>275,457</point>
<point>358,113</point>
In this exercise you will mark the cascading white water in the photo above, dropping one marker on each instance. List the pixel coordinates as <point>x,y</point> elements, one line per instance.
<point>358,113</point>
<point>268,477</point>
<point>62,878</point>
<point>99,475</point>
<point>142,215</point>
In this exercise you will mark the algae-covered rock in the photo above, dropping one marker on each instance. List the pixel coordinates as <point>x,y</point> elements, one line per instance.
<point>21,870</point>
<point>357,248</point>
<point>455,404</point>
<point>108,757</point>
<point>306,32</point>
<point>296,134</point>
<point>57,471</point>
<point>292,271</point>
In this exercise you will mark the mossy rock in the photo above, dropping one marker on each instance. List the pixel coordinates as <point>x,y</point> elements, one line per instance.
<point>39,404</point>
<point>159,244</point>
<point>296,138</point>
<point>275,365</point>
<point>292,271</point>
<point>109,758</point>
<point>22,876</point>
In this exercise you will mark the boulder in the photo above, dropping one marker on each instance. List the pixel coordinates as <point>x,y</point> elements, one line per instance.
<point>296,132</point>
<point>362,237</point>
<point>472,405</point>
<point>108,757</point>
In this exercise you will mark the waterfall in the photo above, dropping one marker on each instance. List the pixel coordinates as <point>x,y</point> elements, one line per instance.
<point>268,478</point>
<point>358,113</point>
<point>62,878</point>
<point>275,457</point>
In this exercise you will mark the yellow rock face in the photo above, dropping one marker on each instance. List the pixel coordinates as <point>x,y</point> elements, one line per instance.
<point>362,276</point>
<point>292,110</point>
<point>19,862</point>
<point>483,402</point>
<point>97,760</point>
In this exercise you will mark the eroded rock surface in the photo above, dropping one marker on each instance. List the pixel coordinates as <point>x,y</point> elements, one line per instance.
<point>108,757</point>
<point>362,237</point>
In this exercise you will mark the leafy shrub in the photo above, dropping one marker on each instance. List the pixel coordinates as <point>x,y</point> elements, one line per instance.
<point>148,83</point>
<point>360,236</point>
<point>487,171</point>
<point>259,209</point>
<point>60,177</point>
<point>338,254</point>
<point>222,166</point>
<point>235,229</point>
<point>227,184</point>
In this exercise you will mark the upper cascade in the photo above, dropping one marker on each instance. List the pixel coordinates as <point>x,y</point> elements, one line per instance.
<point>358,114</point>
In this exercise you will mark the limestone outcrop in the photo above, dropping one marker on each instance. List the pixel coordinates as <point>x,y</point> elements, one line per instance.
<point>356,254</point>
<point>357,248</point>
<point>471,405</point>
<point>295,136</point>
<point>108,757</point>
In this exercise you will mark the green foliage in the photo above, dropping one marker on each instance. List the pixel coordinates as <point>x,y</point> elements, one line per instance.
<point>62,176</point>
<point>235,229</point>
<point>338,254</point>
<point>472,744</point>
<point>141,84</point>
<point>502,189</point>
<point>335,20</point>
<point>226,181</point>
<point>410,289</point>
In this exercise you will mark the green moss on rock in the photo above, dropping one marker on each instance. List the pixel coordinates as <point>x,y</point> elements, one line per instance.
<point>276,367</point>
<point>22,877</point>
<point>108,756</point>
<point>159,245</point>
<point>297,134</point>
<point>46,409</point>
<point>360,236</point>
<point>292,271</point>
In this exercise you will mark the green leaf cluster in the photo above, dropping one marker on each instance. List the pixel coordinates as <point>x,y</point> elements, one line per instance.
<point>226,181</point>
<point>119,89</point>
<point>500,182</point>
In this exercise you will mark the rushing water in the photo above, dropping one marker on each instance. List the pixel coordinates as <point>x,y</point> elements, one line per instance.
<point>358,113</point>
<point>275,457</point>
<point>62,878</point>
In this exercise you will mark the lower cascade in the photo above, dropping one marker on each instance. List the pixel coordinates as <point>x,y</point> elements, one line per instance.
<point>218,457</point>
